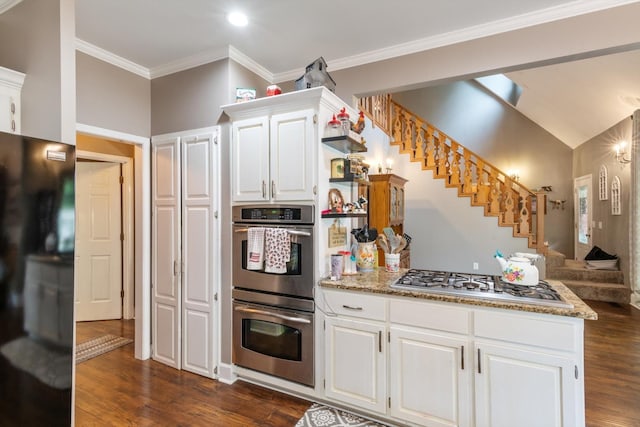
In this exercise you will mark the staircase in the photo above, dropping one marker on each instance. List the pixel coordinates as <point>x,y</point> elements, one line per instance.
<point>598,285</point>
<point>485,185</point>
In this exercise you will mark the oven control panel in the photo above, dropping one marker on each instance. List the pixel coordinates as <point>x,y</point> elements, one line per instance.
<point>301,214</point>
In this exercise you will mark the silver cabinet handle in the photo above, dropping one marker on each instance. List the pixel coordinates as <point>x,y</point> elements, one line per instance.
<point>269,313</point>
<point>348,307</point>
<point>462,357</point>
<point>479,362</point>
<point>264,189</point>
<point>175,268</point>
<point>380,341</point>
<point>273,188</point>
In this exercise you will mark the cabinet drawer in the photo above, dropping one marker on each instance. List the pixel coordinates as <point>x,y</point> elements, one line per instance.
<point>355,304</point>
<point>421,314</point>
<point>552,333</point>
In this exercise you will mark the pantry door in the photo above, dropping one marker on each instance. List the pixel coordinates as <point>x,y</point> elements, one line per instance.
<point>185,252</point>
<point>98,241</point>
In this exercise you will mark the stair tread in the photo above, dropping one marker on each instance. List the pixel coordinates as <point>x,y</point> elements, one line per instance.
<point>599,291</point>
<point>594,284</point>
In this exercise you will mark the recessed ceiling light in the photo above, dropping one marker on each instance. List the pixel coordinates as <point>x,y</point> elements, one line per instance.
<point>238,19</point>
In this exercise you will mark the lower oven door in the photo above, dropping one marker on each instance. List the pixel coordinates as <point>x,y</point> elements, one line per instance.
<point>275,341</point>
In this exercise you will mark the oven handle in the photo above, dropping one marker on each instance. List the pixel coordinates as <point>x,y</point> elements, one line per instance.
<point>294,232</point>
<point>269,313</point>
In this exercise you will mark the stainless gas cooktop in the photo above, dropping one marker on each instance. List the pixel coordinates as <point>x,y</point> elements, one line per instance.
<point>479,286</point>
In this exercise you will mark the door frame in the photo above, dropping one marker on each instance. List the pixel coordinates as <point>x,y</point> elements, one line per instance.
<point>128,266</point>
<point>586,179</point>
<point>142,224</point>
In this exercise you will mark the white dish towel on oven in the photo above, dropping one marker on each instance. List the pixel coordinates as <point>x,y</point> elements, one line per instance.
<point>255,248</point>
<point>277,248</point>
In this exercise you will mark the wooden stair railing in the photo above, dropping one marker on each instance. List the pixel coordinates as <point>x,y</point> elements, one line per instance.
<point>501,196</point>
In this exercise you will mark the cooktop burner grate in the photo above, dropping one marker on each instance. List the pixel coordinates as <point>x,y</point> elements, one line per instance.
<point>480,286</point>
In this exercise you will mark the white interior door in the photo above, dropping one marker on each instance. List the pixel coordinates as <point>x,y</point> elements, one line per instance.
<point>165,252</point>
<point>98,243</point>
<point>583,215</point>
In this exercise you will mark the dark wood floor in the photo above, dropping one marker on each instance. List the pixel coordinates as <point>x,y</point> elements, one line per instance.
<point>115,389</point>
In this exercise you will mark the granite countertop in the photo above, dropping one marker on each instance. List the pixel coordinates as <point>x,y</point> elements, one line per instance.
<point>379,282</point>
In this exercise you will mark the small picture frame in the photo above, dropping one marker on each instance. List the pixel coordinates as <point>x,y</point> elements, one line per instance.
<point>245,94</point>
<point>338,168</point>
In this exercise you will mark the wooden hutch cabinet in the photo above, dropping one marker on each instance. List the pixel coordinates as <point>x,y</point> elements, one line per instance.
<point>386,208</point>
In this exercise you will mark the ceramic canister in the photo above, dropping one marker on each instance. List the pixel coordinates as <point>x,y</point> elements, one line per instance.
<point>366,256</point>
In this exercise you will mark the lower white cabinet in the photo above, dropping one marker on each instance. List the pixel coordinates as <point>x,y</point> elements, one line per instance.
<point>429,377</point>
<point>444,364</point>
<point>356,368</point>
<point>517,387</point>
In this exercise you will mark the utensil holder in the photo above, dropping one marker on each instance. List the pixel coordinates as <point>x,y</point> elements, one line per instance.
<point>366,256</point>
<point>392,262</point>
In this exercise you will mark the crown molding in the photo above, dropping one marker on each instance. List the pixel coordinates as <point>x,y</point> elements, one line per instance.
<point>7,4</point>
<point>564,11</point>
<point>111,58</point>
<point>189,62</point>
<point>538,17</point>
<point>250,64</point>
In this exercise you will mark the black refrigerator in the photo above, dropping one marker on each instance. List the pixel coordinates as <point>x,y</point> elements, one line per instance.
<point>37,239</point>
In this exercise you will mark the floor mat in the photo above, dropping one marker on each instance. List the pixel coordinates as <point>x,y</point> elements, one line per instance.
<point>323,416</point>
<point>49,365</point>
<point>97,346</point>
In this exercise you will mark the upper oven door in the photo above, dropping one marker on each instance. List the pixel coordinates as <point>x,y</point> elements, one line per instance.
<point>298,279</point>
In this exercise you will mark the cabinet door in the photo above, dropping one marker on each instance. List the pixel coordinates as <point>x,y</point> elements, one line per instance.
<point>517,387</point>
<point>165,252</point>
<point>198,254</point>
<point>292,156</point>
<point>250,157</point>
<point>355,363</point>
<point>430,378</point>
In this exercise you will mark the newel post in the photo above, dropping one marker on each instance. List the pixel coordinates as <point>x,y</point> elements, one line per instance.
<point>541,205</point>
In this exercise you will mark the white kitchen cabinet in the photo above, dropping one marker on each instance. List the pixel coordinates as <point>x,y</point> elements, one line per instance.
<point>454,364</point>
<point>430,363</point>
<point>273,157</point>
<point>517,387</point>
<point>10,105</point>
<point>356,349</point>
<point>528,370</point>
<point>355,367</point>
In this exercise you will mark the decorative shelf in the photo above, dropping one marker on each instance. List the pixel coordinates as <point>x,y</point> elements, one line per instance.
<point>344,144</point>
<point>345,215</point>
<point>350,181</point>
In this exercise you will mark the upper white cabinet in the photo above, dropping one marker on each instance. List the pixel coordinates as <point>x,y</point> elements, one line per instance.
<point>273,157</point>
<point>10,89</point>
<point>275,143</point>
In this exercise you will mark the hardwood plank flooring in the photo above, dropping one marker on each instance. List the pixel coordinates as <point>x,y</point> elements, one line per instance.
<point>115,389</point>
<point>612,366</point>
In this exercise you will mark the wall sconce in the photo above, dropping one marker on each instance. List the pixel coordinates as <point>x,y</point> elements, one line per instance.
<point>514,174</point>
<point>621,152</point>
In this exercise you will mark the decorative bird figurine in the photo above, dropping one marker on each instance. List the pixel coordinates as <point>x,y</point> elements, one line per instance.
<point>359,126</point>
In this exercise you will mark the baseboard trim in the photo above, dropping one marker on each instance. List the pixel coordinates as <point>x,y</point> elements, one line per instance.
<point>226,374</point>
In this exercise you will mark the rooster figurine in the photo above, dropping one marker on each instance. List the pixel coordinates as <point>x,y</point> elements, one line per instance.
<point>358,127</point>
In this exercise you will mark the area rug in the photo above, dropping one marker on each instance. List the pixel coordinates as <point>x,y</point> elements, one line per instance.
<point>323,416</point>
<point>49,365</point>
<point>97,346</point>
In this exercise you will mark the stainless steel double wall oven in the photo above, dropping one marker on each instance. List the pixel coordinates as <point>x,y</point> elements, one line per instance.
<point>273,324</point>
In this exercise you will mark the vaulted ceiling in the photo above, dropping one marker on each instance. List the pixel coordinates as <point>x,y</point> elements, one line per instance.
<point>574,101</point>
